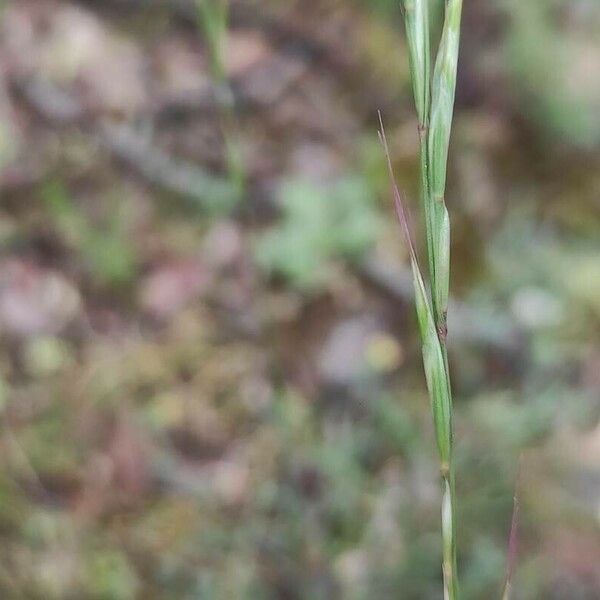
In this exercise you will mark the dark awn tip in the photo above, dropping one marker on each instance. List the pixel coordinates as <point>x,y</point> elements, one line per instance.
<point>401,212</point>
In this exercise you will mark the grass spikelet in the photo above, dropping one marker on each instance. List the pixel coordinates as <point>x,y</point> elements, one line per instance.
<point>436,375</point>
<point>434,102</point>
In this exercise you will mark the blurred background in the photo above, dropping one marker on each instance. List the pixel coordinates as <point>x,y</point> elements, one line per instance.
<point>210,375</point>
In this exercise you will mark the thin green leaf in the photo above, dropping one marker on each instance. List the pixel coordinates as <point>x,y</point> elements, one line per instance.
<point>433,358</point>
<point>416,20</point>
<point>441,286</point>
<point>442,98</point>
<point>442,109</point>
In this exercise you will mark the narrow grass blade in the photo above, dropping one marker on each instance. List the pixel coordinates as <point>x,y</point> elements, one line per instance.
<point>435,106</point>
<point>213,16</point>
<point>433,358</point>
<point>440,124</point>
<point>442,98</point>
<point>416,20</point>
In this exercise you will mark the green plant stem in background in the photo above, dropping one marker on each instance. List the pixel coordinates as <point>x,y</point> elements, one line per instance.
<point>434,102</point>
<point>213,17</point>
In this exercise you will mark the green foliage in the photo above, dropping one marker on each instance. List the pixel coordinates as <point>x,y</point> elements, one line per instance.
<point>396,426</point>
<point>109,255</point>
<point>111,577</point>
<point>523,255</point>
<point>45,356</point>
<point>485,570</point>
<point>551,66</point>
<point>105,249</point>
<point>51,431</point>
<point>213,16</point>
<point>318,225</point>
<point>520,424</point>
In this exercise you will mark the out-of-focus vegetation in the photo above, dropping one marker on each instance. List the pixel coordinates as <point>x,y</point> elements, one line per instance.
<point>212,396</point>
<point>319,224</point>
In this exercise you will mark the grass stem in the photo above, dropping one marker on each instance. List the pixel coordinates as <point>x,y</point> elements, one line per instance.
<point>434,103</point>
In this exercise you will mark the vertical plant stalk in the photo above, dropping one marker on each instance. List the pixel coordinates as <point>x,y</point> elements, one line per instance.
<point>416,21</point>
<point>442,109</point>
<point>438,387</point>
<point>512,550</point>
<point>434,102</point>
<point>213,18</point>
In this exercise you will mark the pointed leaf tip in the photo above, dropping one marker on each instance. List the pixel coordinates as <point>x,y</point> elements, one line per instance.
<point>398,203</point>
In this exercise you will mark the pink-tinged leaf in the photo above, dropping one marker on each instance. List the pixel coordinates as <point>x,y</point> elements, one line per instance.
<point>398,202</point>
<point>433,360</point>
<point>424,311</point>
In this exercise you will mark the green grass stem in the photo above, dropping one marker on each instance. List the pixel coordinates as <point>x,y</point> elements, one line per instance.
<point>434,103</point>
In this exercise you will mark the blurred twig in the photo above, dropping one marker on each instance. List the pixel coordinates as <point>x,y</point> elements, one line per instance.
<point>132,147</point>
<point>183,178</point>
